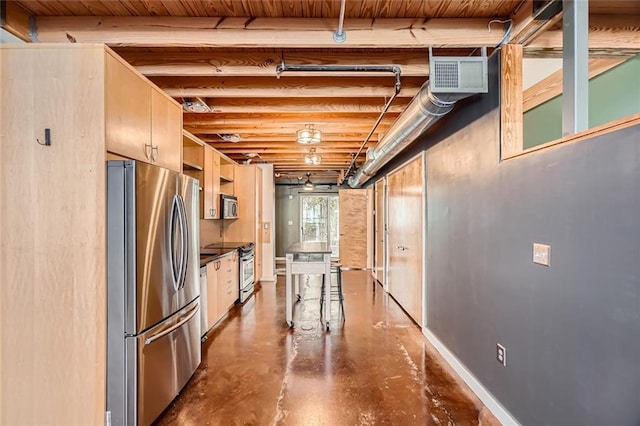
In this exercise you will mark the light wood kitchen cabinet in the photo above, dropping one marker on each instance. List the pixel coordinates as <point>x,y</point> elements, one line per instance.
<point>227,177</point>
<point>228,286</point>
<point>127,111</point>
<point>222,287</point>
<point>142,123</point>
<point>211,185</point>
<point>248,226</point>
<point>212,292</point>
<point>94,106</point>
<point>166,131</point>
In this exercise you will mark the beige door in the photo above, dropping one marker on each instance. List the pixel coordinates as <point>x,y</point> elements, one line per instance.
<point>379,208</point>
<point>405,237</point>
<point>353,227</point>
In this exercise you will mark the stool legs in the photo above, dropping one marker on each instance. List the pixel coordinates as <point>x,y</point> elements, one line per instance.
<point>338,272</point>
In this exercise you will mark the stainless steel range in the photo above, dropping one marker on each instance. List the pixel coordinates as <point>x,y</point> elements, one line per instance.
<point>247,271</point>
<point>247,263</point>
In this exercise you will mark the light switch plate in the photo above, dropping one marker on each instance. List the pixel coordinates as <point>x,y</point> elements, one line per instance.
<point>290,223</point>
<point>541,254</point>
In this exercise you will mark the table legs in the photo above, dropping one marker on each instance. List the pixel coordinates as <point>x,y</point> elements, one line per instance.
<point>292,286</point>
<point>327,289</point>
<point>288,289</point>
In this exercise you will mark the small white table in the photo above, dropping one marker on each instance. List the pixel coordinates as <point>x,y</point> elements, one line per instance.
<point>307,258</point>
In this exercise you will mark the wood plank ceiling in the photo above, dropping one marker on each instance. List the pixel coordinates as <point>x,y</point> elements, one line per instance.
<point>225,54</point>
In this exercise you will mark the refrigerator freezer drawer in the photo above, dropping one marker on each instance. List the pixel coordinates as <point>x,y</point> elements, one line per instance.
<point>167,357</point>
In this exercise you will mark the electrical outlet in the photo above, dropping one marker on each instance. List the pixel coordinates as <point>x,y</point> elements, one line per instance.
<point>290,223</point>
<point>501,354</point>
<point>541,254</point>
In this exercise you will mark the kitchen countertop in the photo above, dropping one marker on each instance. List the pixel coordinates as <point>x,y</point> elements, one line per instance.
<point>214,255</point>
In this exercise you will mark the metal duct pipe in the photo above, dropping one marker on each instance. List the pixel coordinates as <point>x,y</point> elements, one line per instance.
<point>421,113</point>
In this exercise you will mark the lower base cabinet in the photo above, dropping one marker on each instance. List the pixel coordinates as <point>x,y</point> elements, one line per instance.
<point>223,288</point>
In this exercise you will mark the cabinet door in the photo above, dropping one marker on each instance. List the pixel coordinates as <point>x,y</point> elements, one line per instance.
<point>212,293</point>
<point>166,131</point>
<point>224,291</point>
<point>127,111</point>
<point>211,185</point>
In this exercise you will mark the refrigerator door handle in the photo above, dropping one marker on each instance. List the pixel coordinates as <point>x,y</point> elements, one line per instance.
<point>176,269</point>
<point>174,327</point>
<point>184,235</point>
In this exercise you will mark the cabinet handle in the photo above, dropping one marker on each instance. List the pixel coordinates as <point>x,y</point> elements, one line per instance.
<point>148,149</point>
<point>154,157</point>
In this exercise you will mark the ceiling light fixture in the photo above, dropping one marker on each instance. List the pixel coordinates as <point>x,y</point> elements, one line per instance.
<point>230,137</point>
<point>308,185</point>
<point>309,135</point>
<point>312,158</point>
<point>196,105</point>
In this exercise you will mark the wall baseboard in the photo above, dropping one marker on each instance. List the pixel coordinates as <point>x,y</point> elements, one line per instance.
<point>481,392</point>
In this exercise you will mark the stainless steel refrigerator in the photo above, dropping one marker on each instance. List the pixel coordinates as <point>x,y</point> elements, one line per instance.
<point>153,317</point>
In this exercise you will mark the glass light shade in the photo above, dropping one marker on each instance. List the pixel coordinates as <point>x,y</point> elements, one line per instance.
<point>312,158</point>
<point>309,135</point>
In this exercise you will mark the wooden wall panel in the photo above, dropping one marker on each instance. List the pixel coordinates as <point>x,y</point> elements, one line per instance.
<point>353,227</point>
<point>511,114</point>
<point>379,266</point>
<point>52,257</point>
<point>405,237</point>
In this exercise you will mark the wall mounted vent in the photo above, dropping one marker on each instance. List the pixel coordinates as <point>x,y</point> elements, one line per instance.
<point>458,74</point>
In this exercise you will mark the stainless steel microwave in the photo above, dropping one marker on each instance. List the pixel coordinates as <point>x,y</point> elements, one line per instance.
<point>228,206</point>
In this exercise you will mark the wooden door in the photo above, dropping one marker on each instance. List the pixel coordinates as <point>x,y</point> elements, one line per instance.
<point>405,236</point>
<point>380,237</point>
<point>353,227</point>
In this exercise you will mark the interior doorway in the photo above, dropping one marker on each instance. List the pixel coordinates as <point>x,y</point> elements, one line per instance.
<point>319,220</point>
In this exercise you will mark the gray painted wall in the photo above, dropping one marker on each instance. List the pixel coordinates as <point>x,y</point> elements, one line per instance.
<point>572,330</point>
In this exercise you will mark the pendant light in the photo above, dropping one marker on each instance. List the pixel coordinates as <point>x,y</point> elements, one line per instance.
<point>312,158</point>
<point>309,135</point>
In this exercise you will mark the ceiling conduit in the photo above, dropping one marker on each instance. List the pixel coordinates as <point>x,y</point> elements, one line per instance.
<point>469,77</point>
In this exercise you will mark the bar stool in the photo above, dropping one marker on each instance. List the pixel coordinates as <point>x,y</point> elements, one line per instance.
<point>335,291</point>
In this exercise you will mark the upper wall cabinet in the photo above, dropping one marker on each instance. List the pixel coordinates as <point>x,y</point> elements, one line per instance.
<point>142,123</point>
<point>166,131</point>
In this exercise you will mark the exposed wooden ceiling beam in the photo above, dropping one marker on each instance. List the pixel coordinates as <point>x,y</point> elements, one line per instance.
<point>304,105</point>
<point>288,138</point>
<point>616,34</point>
<point>241,127</point>
<point>267,32</point>
<point>527,26</point>
<point>16,20</point>
<point>286,87</point>
<point>289,117</point>
<point>259,63</point>
<point>289,150</point>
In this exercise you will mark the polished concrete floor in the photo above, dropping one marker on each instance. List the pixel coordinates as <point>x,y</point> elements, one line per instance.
<point>373,368</point>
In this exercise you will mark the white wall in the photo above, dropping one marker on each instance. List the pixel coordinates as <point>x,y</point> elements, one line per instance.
<point>268,216</point>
